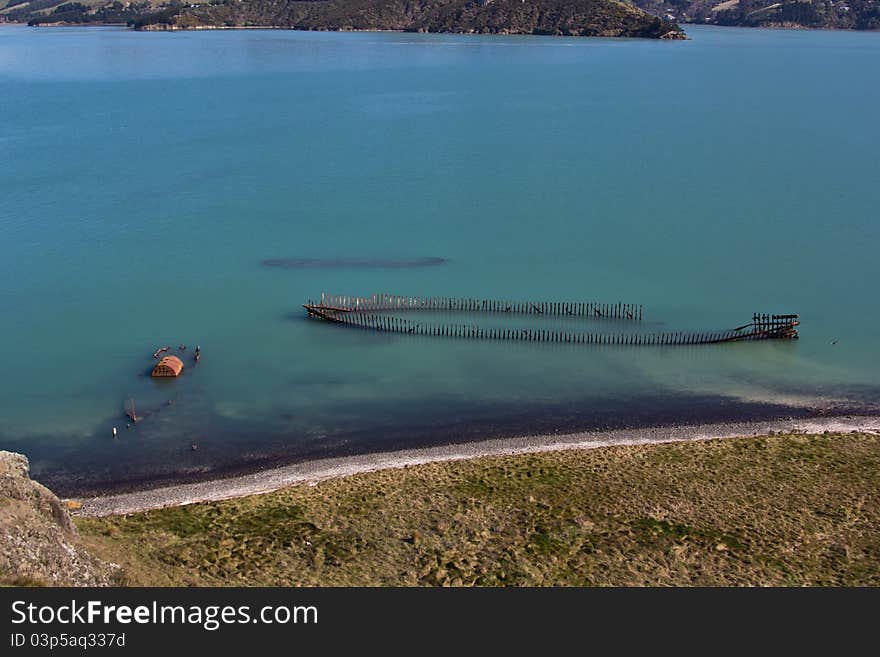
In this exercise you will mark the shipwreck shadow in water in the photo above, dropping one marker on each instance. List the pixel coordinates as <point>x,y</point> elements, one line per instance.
<point>353,263</point>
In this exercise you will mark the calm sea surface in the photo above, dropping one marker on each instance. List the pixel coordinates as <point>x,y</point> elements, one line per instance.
<point>146,177</point>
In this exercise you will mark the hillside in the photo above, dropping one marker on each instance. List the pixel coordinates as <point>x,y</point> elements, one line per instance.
<point>832,14</point>
<point>783,510</point>
<point>581,17</point>
<point>610,18</point>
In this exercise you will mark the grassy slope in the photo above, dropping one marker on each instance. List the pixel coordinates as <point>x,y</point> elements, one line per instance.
<point>779,510</point>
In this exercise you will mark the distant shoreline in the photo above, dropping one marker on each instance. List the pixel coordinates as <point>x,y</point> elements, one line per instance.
<point>210,28</point>
<point>288,28</point>
<point>312,472</point>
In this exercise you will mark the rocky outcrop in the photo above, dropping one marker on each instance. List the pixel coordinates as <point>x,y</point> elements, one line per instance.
<point>39,544</point>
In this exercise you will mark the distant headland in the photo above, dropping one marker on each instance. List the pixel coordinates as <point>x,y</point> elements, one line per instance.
<point>607,18</point>
<point>602,18</point>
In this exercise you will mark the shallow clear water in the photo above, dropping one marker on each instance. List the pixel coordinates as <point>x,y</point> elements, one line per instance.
<point>146,177</point>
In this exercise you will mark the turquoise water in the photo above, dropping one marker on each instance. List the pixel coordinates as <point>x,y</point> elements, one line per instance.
<point>146,177</point>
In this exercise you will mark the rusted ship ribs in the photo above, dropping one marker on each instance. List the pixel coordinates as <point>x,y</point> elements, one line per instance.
<point>375,313</point>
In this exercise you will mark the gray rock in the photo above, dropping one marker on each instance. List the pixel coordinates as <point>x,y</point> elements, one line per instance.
<point>39,543</point>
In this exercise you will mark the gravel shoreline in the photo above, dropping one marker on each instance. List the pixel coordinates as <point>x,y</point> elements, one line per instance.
<point>312,472</point>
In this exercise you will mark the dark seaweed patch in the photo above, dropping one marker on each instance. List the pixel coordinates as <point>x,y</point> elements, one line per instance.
<point>353,263</point>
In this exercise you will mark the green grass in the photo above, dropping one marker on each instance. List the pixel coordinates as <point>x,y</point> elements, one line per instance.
<point>777,510</point>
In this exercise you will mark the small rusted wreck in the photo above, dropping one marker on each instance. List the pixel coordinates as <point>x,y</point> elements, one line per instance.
<point>168,366</point>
